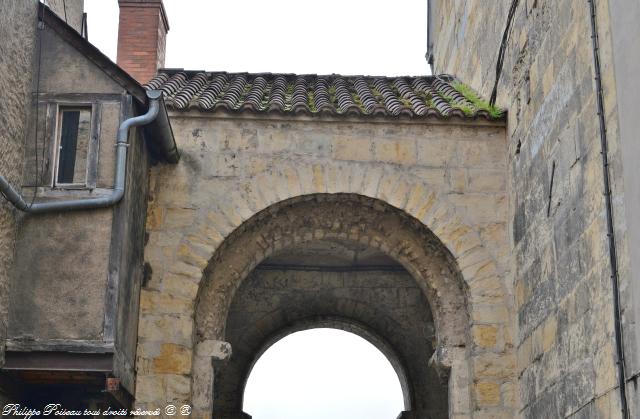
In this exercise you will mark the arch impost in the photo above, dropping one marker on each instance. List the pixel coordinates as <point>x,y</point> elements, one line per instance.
<point>217,350</point>
<point>445,355</point>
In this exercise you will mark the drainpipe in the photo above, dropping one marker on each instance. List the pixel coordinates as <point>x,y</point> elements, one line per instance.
<point>613,258</point>
<point>429,54</point>
<point>155,96</point>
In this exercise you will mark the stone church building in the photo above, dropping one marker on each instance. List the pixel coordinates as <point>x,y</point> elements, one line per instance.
<point>162,228</point>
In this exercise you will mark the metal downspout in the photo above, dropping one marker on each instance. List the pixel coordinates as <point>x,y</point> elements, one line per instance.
<point>613,258</point>
<point>122,144</point>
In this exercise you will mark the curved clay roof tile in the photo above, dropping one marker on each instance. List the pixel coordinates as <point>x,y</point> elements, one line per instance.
<point>212,92</point>
<point>174,84</point>
<point>364,93</point>
<point>156,82</point>
<point>299,97</point>
<point>321,95</point>
<point>277,94</point>
<point>191,89</point>
<point>343,95</point>
<point>256,93</point>
<point>234,92</point>
<point>417,105</point>
<point>420,85</point>
<point>324,95</point>
<point>393,105</point>
<point>439,103</point>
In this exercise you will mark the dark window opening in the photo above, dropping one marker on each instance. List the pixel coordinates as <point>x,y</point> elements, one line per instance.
<point>74,135</point>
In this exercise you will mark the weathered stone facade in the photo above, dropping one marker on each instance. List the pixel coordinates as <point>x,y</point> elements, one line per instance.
<point>249,187</point>
<point>560,258</point>
<point>474,255</point>
<point>88,262</point>
<point>15,61</point>
<point>17,68</point>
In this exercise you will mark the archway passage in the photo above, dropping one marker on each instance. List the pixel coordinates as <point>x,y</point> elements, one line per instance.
<point>336,283</point>
<point>340,261</point>
<point>323,373</point>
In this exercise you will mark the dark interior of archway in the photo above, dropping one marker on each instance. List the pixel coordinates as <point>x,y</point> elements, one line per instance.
<point>332,279</point>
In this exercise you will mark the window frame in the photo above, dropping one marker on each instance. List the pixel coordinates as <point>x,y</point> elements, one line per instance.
<point>54,114</point>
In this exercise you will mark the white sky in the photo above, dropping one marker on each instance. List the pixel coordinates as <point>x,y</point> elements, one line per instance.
<point>374,37</point>
<point>320,373</point>
<point>323,374</point>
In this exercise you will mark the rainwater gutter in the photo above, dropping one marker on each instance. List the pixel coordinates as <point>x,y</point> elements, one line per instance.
<point>122,143</point>
<point>613,258</point>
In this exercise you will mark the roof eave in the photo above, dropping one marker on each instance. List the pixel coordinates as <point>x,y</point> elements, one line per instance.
<point>164,147</point>
<point>454,119</point>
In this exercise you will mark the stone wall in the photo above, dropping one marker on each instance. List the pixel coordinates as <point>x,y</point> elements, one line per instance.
<point>560,259</point>
<point>626,62</point>
<point>17,30</point>
<point>449,177</point>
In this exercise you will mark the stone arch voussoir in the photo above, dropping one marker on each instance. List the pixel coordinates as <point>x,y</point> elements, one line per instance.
<point>413,197</point>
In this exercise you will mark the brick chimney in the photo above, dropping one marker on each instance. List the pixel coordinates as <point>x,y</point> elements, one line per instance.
<point>142,34</point>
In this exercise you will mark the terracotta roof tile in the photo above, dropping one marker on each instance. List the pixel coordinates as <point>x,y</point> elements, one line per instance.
<point>410,97</point>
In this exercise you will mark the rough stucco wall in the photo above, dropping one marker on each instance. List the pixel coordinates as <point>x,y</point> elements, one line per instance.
<point>60,268</point>
<point>71,249</point>
<point>566,347</point>
<point>17,53</point>
<point>17,29</point>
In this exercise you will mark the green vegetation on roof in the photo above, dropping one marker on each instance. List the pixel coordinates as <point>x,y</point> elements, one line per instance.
<point>358,102</point>
<point>478,102</point>
<point>288,94</point>
<point>311,101</point>
<point>467,109</point>
<point>406,102</point>
<point>332,95</point>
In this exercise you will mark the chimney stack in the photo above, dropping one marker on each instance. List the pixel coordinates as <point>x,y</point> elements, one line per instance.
<point>142,33</point>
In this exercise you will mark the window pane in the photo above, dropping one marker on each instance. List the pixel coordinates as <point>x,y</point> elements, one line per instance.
<point>75,132</point>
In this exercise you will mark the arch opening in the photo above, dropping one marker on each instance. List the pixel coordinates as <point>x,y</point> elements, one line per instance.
<point>347,326</point>
<point>336,258</point>
<point>324,371</point>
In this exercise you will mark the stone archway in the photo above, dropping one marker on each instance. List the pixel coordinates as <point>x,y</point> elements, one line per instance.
<point>338,217</point>
<point>190,226</point>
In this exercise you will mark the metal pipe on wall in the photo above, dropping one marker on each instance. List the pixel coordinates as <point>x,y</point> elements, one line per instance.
<point>613,258</point>
<point>155,97</point>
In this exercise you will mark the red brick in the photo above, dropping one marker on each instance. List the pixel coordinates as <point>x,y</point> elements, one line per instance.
<point>141,37</point>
